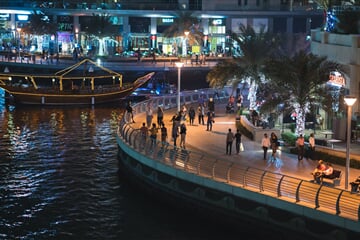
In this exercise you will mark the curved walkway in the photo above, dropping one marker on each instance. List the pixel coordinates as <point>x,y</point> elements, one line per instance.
<point>212,143</point>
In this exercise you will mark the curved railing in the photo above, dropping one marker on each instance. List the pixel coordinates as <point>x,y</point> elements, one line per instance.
<point>303,192</point>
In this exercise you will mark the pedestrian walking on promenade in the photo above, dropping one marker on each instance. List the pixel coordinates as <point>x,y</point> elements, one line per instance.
<point>229,141</point>
<point>237,141</point>
<point>182,135</point>
<point>201,113</point>
<point>265,143</point>
<point>174,133</point>
<point>210,121</point>
<point>129,113</point>
<point>163,134</point>
<point>149,116</point>
<point>274,145</point>
<point>191,115</point>
<point>144,133</point>
<point>153,135</point>
<point>312,146</point>
<point>300,142</point>
<point>160,116</point>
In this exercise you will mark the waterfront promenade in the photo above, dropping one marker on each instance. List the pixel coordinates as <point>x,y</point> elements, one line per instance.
<point>212,144</point>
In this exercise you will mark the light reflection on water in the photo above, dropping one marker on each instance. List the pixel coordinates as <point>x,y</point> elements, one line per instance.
<point>59,180</point>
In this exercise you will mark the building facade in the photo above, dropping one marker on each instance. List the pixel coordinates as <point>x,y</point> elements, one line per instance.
<point>140,24</point>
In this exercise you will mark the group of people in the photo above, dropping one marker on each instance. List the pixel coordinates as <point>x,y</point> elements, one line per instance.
<point>270,142</point>
<point>178,121</point>
<point>230,137</point>
<point>300,143</point>
<point>322,169</point>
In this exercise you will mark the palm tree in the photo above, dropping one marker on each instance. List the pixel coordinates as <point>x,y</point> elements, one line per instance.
<point>100,28</point>
<point>41,24</point>
<point>297,82</point>
<point>185,23</point>
<point>254,49</point>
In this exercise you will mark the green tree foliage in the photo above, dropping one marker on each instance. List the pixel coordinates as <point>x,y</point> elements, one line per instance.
<point>39,24</point>
<point>185,22</point>
<point>255,48</point>
<point>99,25</point>
<point>297,82</point>
<point>349,22</point>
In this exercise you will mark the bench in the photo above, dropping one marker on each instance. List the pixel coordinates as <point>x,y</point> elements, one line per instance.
<point>335,177</point>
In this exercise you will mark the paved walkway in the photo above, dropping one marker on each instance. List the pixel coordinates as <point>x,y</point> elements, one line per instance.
<point>212,143</point>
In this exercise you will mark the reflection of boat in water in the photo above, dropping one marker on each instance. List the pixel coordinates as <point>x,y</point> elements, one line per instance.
<point>84,83</point>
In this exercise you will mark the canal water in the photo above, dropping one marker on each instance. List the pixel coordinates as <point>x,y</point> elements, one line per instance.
<point>59,179</point>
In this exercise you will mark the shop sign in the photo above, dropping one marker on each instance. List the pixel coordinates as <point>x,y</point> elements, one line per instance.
<point>65,27</point>
<point>217,22</point>
<point>65,23</point>
<point>336,78</point>
<point>22,17</point>
<point>4,17</point>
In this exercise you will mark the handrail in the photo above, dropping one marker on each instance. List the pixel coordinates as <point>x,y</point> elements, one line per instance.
<point>328,199</point>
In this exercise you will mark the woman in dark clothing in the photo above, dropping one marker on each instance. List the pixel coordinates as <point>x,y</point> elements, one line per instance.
<point>274,145</point>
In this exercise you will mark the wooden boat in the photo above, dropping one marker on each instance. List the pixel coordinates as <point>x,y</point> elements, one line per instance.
<point>84,83</point>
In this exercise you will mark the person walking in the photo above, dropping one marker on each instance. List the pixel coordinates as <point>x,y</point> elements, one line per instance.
<point>129,112</point>
<point>265,143</point>
<point>210,121</point>
<point>182,135</point>
<point>144,133</point>
<point>191,115</point>
<point>160,116</point>
<point>312,146</point>
<point>300,142</point>
<point>274,145</point>
<point>237,141</point>
<point>153,135</point>
<point>164,135</point>
<point>229,141</point>
<point>175,133</point>
<point>149,116</point>
<point>201,113</point>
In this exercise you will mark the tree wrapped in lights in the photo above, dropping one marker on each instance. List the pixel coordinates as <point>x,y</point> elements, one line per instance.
<point>298,82</point>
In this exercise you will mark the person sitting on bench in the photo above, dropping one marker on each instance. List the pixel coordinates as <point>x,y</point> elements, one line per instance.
<point>318,171</point>
<point>328,170</point>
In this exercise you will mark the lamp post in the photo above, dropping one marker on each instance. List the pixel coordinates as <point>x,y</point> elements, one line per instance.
<point>349,101</point>
<point>179,66</point>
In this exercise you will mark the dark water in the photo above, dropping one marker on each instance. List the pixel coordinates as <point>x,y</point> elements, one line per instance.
<point>59,179</point>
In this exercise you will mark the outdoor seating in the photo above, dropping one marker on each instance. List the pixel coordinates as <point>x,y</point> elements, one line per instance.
<point>335,177</point>
<point>355,185</point>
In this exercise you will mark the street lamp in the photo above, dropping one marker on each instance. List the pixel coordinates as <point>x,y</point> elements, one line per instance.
<point>179,66</point>
<point>349,101</point>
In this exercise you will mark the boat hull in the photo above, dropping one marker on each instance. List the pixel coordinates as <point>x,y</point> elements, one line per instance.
<point>84,83</point>
<point>47,98</point>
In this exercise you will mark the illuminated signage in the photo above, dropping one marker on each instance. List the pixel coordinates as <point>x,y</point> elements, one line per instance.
<point>4,17</point>
<point>65,27</point>
<point>21,17</point>
<point>336,78</point>
<point>167,20</point>
<point>217,22</point>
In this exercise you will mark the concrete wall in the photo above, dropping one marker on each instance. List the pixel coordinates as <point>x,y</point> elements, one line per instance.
<point>344,49</point>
